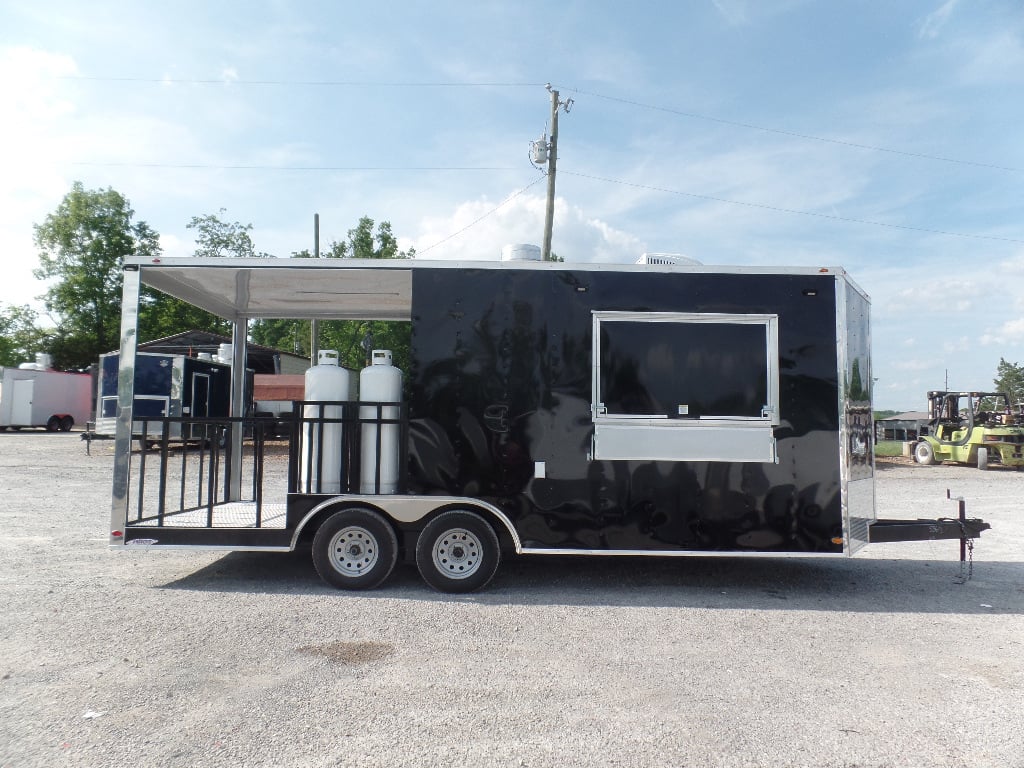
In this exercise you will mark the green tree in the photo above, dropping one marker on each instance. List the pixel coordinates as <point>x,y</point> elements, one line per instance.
<point>82,247</point>
<point>215,237</point>
<point>363,243</point>
<point>20,338</point>
<point>1010,379</point>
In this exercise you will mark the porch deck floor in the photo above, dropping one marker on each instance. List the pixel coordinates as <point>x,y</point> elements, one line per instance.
<point>232,514</point>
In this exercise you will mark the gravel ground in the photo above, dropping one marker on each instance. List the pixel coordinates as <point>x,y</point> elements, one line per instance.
<point>112,658</point>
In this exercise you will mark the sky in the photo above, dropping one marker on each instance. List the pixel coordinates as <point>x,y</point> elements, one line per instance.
<point>884,138</point>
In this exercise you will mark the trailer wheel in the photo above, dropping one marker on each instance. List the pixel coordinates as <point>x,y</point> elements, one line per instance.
<point>982,458</point>
<point>355,549</point>
<point>53,424</point>
<point>457,552</point>
<point>924,453</point>
<point>66,424</point>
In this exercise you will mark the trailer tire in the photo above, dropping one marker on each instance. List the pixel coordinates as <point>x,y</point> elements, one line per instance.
<point>66,424</point>
<point>924,453</point>
<point>982,459</point>
<point>53,424</point>
<point>458,551</point>
<point>355,549</point>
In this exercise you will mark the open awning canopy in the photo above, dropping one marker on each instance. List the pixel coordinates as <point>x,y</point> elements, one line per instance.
<point>302,289</point>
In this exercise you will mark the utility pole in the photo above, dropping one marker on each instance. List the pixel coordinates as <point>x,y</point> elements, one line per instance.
<point>314,325</point>
<point>549,213</point>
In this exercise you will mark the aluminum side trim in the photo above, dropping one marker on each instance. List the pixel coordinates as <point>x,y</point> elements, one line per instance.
<point>676,553</point>
<point>194,547</point>
<point>408,509</point>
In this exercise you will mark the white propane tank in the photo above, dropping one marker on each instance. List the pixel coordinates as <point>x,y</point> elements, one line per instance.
<point>325,381</point>
<point>226,353</point>
<point>380,382</point>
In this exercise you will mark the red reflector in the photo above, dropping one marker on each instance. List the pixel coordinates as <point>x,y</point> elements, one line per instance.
<point>117,534</point>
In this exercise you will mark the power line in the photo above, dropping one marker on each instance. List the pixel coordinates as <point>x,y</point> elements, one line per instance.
<point>218,167</point>
<point>496,208</point>
<point>312,83</point>
<point>794,134</point>
<point>778,209</point>
<point>580,91</point>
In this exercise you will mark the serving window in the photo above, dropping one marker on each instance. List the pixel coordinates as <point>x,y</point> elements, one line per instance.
<point>685,387</point>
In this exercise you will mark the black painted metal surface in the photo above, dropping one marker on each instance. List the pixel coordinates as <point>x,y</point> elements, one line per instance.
<point>501,378</point>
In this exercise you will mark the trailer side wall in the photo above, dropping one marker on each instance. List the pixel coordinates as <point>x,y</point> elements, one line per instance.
<point>501,409</point>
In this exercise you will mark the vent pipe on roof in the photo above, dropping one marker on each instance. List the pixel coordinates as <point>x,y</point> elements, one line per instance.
<point>520,252</point>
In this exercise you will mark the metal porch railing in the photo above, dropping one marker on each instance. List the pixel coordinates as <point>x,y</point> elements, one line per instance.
<point>181,475</point>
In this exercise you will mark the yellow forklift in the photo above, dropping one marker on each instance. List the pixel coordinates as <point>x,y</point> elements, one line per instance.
<point>975,428</point>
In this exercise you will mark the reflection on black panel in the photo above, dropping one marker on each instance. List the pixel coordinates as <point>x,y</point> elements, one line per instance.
<point>679,369</point>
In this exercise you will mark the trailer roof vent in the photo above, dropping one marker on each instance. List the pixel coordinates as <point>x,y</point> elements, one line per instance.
<point>520,252</point>
<point>676,259</point>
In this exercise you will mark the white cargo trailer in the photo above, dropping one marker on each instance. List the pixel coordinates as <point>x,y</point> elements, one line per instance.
<point>54,400</point>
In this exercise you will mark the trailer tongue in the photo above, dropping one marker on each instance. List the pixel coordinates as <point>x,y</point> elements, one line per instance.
<point>546,408</point>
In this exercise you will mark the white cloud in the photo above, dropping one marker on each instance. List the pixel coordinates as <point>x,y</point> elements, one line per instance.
<point>936,20</point>
<point>913,365</point>
<point>740,12</point>
<point>733,11</point>
<point>1013,265</point>
<point>31,183</point>
<point>478,230</point>
<point>955,346</point>
<point>172,245</point>
<point>1009,333</point>
<point>995,58</point>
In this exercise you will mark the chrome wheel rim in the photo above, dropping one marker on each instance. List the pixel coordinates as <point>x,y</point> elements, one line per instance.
<point>353,551</point>
<point>458,553</point>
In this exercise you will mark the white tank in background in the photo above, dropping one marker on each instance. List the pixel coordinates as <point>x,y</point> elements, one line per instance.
<point>43,363</point>
<point>225,354</point>
<point>325,381</point>
<point>380,382</point>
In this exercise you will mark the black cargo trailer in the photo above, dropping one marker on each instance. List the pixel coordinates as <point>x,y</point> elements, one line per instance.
<point>548,408</point>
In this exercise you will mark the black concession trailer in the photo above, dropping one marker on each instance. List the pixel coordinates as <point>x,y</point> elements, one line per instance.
<point>164,385</point>
<point>546,408</point>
